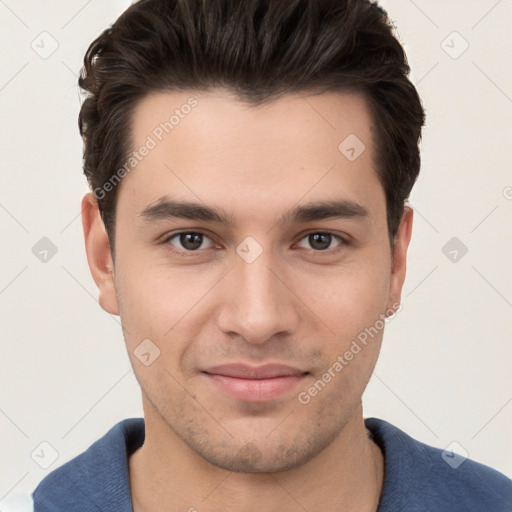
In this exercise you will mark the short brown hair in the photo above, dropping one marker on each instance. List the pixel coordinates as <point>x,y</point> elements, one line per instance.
<point>260,50</point>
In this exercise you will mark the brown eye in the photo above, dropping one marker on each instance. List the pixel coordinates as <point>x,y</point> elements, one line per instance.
<point>320,241</point>
<point>188,241</point>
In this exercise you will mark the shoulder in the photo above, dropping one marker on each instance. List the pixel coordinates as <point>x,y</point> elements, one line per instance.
<point>421,477</point>
<point>97,479</point>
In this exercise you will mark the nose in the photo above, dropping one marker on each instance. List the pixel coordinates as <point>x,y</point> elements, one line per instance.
<point>258,302</point>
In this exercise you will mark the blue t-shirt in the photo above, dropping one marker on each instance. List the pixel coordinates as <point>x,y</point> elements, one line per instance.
<point>417,477</point>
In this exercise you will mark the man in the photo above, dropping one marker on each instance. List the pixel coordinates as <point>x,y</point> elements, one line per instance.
<point>250,164</point>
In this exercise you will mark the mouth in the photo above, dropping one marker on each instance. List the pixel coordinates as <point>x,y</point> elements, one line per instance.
<point>255,384</point>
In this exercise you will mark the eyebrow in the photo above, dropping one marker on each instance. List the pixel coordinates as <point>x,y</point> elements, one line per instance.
<point>166,208</point>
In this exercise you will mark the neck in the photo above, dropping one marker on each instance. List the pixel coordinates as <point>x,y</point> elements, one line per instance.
<point>166,475</point>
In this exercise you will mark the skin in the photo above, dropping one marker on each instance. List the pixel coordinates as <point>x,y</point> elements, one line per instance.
<point>295,304</point>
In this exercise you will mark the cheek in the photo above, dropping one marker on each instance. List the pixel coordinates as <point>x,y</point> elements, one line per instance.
<point>349,300</point>
<point>162,304</point>
<point>139,303</point>
<point>148,314</point>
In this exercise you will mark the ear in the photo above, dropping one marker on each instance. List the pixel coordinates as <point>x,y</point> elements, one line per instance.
<point>399,261</point>
<point>99,255</point>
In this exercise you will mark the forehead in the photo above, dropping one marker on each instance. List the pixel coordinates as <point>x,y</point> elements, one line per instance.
<point>223,119</point>
<point>211,147</point>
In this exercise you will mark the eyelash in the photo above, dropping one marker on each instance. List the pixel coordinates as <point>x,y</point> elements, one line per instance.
<point>342,242</point>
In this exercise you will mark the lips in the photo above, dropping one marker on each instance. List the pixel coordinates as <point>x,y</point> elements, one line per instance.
<point>243,371</point>
<point>255,384</point>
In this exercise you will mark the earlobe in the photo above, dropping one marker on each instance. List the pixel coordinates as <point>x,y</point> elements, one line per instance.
<point>99,255</point>
<point>399,262</point>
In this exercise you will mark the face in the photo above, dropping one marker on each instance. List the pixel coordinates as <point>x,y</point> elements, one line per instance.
<point>253,252</point>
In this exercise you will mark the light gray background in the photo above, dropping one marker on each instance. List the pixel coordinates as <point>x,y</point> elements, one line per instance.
<point>444,373</point>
